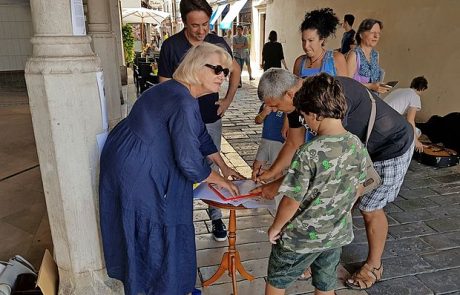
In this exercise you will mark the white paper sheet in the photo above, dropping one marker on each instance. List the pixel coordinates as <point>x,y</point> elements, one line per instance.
<point>101,138</point>
<point>78,18</point>
<point>103,100</point>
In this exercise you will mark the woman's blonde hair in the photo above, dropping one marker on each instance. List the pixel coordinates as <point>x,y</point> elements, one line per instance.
<point>195,59</point>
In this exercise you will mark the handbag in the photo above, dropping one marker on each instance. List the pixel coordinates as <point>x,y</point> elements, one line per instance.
<point>373,179</point>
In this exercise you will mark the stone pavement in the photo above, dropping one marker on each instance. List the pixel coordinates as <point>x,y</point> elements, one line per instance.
<point>422,254</point>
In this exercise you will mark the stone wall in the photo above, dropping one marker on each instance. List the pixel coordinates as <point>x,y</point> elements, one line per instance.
<point>15,34</point>
<point>418,38</point>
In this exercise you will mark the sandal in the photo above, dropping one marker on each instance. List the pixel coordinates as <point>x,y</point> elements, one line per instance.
<point>305,276</point>
<point>365,278</point>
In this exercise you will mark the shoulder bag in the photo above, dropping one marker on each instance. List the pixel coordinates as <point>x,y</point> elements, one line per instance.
<point>373,179</point>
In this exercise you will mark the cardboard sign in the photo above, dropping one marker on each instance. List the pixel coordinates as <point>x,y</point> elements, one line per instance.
<point>48,276</point>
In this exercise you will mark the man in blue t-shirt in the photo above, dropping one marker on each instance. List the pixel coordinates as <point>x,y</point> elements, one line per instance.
<point>195,15</point>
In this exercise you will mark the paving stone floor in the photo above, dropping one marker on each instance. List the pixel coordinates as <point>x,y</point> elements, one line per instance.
<point>422,255</point>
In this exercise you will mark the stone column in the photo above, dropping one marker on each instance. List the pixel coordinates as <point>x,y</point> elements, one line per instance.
<point>105,46</point>
<point>115,10</point>
<point>66,115</point>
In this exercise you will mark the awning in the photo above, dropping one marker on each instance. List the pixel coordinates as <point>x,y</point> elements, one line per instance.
<point>216,14</point>
<point>233,12</point>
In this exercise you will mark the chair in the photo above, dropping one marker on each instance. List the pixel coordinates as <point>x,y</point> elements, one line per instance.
<point>145,78</point>
<point>137,61</point>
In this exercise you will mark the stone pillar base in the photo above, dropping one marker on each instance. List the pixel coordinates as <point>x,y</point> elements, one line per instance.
<point>87,283</point>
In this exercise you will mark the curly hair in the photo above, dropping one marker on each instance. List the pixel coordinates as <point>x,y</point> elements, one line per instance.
<point>322,95</point>
<point>323,20</point>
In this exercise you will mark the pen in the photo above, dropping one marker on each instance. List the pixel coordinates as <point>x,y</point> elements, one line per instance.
<point>258,172</point>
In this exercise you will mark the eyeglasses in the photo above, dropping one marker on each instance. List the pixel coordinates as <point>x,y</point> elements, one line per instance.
<point>218,69</point>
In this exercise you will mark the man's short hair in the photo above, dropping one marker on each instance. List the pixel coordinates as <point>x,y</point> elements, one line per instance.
<point>419,83</point>
<point>187,6</point>
<point>349,18</point>
<point>322,95</point>
<point>239,27</point>
<point>275,82</point>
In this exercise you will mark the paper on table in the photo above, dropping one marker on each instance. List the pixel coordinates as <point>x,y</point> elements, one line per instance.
<point>203,191</point>
<point>244,188</point>
<point>256,203</point>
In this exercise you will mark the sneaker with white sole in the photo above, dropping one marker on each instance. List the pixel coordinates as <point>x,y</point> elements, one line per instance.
<point>219,231</point>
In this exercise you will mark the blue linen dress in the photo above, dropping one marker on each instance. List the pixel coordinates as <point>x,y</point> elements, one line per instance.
<point>148,165</point>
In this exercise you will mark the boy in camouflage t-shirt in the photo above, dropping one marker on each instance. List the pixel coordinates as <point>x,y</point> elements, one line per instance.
<point>314,220</point>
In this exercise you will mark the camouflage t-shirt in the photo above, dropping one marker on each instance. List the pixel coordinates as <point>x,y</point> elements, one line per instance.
<point>323,177</point>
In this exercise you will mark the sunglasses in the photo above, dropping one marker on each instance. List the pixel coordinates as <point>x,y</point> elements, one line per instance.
<point>218,69</point>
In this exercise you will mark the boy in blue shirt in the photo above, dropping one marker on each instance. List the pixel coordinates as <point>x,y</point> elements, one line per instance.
<point>272,139</point>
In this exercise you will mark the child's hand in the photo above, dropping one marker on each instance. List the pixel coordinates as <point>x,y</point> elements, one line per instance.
<point>273,234</point>
<point>267,110</point>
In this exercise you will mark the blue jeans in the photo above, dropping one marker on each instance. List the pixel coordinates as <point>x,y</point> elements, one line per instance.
<point>215,131</point>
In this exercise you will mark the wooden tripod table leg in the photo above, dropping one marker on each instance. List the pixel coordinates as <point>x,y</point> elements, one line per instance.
<point>231,260</point>
<point>222,268</point>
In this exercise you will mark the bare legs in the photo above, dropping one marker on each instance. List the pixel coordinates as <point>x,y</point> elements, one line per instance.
<point>377,230</point>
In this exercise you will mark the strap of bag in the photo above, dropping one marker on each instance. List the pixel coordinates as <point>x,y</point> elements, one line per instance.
<point>370,125</point>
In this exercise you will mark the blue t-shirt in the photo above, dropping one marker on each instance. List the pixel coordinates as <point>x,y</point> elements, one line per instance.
<point>172,51</point>
<point>273,124</point>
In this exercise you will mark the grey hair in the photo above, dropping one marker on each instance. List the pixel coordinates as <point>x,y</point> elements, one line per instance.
<point>275,82</point>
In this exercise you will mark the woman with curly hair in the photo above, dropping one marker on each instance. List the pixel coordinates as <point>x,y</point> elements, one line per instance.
<point>316,27</point>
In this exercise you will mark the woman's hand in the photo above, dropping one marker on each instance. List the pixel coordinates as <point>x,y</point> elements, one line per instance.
<point>274,234</point>
<point>217,179</point>
<point>229,172</point>
<point>230,186</point>
<point>379,88</point>
<point>418,146</point>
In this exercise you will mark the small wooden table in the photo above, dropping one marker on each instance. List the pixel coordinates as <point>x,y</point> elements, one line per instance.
<point>231,259</point>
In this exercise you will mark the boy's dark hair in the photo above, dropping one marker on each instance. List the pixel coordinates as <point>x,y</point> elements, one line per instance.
<point>366,25</point>
<point>349,18</point>
<point>239,27</point>
<point>187,6</point>
<point>323,20</point>
<point>322,95</point>
<point>273,36</point>
<point>419,83</point>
